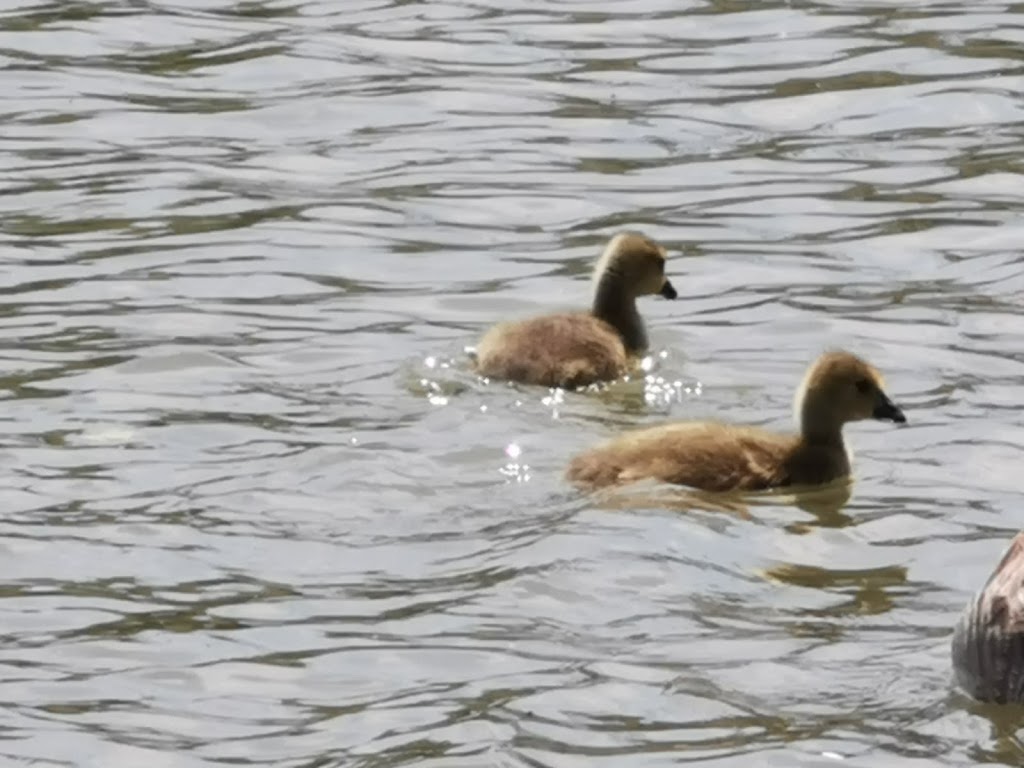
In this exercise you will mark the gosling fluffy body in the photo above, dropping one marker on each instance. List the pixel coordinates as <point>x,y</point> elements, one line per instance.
<point>838,388</point>
<point>579,348</point>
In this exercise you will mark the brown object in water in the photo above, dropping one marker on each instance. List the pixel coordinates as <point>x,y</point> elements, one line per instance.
<point>988,642</point>
<point>838,388</point>
<point>576,349</point>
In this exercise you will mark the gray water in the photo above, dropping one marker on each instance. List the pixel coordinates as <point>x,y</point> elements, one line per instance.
<point>258,511</point>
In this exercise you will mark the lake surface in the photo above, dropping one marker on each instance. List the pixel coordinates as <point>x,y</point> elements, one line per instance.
<point>258,511</point>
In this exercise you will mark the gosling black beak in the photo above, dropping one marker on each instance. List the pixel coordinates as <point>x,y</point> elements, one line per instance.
<point>667,290</point>
<point>887,410</point>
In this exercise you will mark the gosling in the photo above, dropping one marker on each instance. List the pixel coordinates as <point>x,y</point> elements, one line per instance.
<point>576,349</point>
<point>838,388</point>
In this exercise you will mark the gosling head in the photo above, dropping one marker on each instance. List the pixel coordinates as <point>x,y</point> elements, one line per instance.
<point>840,387</point>
<point>637,264</point>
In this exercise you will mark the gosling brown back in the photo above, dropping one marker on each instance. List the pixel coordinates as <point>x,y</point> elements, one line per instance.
<point>575,349</point>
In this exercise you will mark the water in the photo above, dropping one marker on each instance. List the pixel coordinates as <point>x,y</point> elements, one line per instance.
<point>258,512</point>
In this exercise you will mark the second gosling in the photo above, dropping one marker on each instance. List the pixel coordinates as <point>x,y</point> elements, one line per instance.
<point>576,349</point>
<point>838,388</point>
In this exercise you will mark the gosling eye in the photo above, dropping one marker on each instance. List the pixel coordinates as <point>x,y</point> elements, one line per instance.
<point>864,386</point>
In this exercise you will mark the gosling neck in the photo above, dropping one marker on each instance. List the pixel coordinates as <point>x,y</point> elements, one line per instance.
<point>821,455</point>
<point>819,426</point>
<point>616,305</point>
